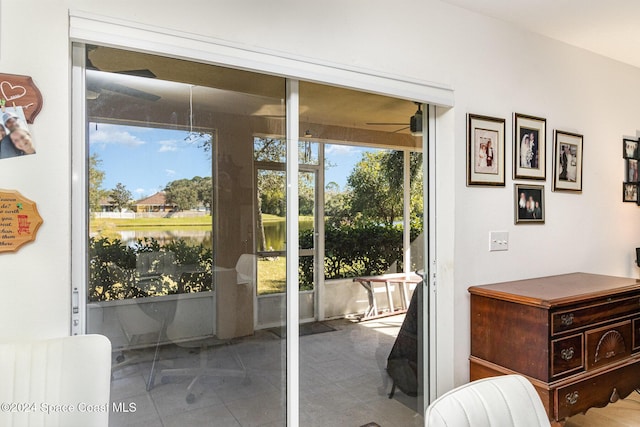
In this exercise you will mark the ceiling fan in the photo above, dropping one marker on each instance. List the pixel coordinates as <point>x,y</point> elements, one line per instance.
<point>415,122</point>
<point>95,86</point>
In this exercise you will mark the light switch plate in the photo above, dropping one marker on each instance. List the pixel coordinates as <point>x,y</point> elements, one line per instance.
<point>498,241</point>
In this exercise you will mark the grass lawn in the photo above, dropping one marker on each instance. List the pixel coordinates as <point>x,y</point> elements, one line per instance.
<point>102,223</point>
<point>198,221</point>
<point>272,275</point>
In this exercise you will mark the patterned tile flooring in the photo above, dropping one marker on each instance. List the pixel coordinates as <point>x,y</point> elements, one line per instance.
<point>343,382</point>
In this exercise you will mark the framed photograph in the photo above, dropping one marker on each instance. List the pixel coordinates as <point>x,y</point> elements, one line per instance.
<point>629,148</point>
<point>529,152</point>
<point>485,150</point>
<point>567,166</point>
<point>632,170</point>
<point>630,192</point>
<point>529,204</point>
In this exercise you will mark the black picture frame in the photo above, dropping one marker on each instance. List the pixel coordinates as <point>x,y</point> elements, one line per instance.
<point>630,148</point>
<point>485,150</point>
<point>567,164</point>
<point>630,192</point>
<point>631,172</point>
<point>529,147</point>
<point>529,204</point>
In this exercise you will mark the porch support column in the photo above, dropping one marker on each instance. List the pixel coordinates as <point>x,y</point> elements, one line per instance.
<point>406,215</point>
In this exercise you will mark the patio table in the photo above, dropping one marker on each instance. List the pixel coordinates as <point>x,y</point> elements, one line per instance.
<point>370,283</point>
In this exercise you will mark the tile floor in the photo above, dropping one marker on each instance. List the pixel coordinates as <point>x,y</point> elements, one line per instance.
<point>343,382</point>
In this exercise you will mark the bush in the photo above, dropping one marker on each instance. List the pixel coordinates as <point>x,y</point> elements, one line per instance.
<point>351,250</point>
<point>364,249</point>
<point>113,274</point>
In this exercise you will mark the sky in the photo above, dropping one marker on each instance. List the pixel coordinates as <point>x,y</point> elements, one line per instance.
<point>343,159</point>
<point>145,160</point>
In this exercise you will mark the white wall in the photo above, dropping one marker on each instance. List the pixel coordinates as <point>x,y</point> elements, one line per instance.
<point>34,282</point>
<point>494,68</point>
<point>497,71</point>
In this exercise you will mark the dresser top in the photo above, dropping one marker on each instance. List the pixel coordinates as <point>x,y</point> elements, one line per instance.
<point>558,290</point>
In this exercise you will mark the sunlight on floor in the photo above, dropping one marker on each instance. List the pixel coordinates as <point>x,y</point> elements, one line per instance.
<point>343,382</point>
<point>385,325</point>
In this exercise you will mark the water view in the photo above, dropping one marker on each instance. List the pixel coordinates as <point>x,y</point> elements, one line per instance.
<point>274,232</point>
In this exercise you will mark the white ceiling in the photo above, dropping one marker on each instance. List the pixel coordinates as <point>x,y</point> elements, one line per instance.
<point>608,27</point>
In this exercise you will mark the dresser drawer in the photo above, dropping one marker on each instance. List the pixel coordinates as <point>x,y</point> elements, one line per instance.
<point>596,391</point>
<point>566,355</point>
<point>636,334</point>
<point>567,320</point>
<point>608,344</point>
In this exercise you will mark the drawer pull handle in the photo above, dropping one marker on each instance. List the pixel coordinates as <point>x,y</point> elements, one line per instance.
<point>614,396</point>
<point>567,353</point>
<point>572,398</point>
<point>566,319</point>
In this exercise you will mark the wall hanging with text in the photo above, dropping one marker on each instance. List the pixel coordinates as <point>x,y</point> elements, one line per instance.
<point>19,220</point>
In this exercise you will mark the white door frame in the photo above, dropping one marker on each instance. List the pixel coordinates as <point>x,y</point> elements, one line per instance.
<point>96,29</point>
<point>318,311</point>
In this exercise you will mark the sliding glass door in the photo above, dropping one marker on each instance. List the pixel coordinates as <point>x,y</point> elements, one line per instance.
<point>234,223</point>
<point>172,254</point>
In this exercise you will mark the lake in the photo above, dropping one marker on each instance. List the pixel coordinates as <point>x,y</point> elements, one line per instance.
<point>274,231</point>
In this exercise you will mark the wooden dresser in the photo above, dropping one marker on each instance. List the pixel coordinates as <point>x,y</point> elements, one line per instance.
<point>575,336</point>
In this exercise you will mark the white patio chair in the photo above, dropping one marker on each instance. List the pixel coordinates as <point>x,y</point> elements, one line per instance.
<point>245,267</point>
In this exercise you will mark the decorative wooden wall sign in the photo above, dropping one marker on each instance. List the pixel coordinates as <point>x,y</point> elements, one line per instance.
<point>20,91</point>
<point>19,220</point>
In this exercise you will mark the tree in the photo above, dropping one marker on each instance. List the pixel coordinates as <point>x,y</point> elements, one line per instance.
<point>271,191</point>
<point>120,197</point>
<point>337,205</point>
<point>204,190</point>
<point>373,195</point>
<point>203,140</point>
<point>417,188</point>
<point>306,193</point>
<point>96,178</point>
<point>377,185</point>
<point>269,150</point>
<point>182,193</point>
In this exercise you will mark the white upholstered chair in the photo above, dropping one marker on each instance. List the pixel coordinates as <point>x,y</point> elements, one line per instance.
<point>505,401</point>
<point>71,372</point>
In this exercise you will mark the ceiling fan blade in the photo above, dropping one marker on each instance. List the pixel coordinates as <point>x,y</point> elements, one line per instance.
<point>119,88</point>
<point>98,82</point>
<point>143,72</point>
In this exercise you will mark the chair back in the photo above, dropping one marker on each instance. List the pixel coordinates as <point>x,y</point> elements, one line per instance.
<point>245,267</point>
<point>71,372</point>
<point>505,401</point>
